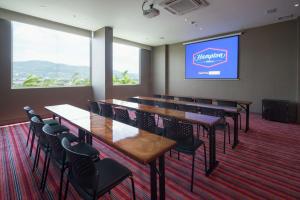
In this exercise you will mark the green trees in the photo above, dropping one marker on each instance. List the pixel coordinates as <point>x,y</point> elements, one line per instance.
<point>33,81</point>
<point>125,79</point>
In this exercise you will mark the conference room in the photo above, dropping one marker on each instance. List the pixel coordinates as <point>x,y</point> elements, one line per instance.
<point>150,99</point>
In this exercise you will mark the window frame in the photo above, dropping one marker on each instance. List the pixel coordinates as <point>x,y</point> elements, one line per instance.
<point>50,87</point>
<point>139,61</point>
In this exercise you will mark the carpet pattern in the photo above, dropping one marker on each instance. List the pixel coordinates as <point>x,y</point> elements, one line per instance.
<point>265,165</point>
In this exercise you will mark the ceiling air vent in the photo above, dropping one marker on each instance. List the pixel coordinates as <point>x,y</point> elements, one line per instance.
<point>181,7</point>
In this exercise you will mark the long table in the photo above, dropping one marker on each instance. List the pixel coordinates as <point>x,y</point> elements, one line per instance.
<point>205,120</point>
<point>141,146</point>
<point>242,103</point>
<point>230,111</point>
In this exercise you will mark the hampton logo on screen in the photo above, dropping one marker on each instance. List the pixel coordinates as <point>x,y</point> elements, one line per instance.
<point>210,57</point>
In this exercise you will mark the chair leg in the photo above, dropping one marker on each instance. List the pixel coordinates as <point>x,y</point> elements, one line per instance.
<point>132,186</point>
<point>228,133</point>
<point>44,168</point>
<point>62,171</point>
<point>240,118</point>
<point>46,173</point>
<point>178,155</point>
<point>32,141</point>
<point>203,131</point>
<point>29,131</point>
<point>224,147</point>
<point>35,157</point>
<point>205,162</point>
<point>170,152</point>
<point>66,190</point>
<point>192,180</point>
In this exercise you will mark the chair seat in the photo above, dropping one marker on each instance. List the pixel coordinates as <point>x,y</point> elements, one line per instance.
<point>59,129</point>
<point>188,149</point>
<point>87,149</point>
<point>69,136</point>
<point>51,122</point>
<point>111,174</point>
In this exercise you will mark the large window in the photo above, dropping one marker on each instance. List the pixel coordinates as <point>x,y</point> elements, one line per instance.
<point>44,58</point>
<point>126,65</point>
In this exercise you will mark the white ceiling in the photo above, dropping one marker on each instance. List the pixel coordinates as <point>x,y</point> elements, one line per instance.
<point>125,16</point>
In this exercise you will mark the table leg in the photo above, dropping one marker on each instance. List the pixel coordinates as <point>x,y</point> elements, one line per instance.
<point>213,163</point>
<point>153,182</point>
<point>235,131</point>
<point>247,117</point>
<point>162,191</point>
<point>53,116</point>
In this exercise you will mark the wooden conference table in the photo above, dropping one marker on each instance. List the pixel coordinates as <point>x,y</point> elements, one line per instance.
<point>141,146</point>
<point>242,103</point>
<point>205,120</point>
<point>230,111</point>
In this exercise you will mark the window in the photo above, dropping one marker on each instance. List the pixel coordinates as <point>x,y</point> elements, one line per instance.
<point>45,58</point>
<point>126,65</point>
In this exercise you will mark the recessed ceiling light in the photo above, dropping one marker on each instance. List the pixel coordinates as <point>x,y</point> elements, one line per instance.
<point>296,4</point>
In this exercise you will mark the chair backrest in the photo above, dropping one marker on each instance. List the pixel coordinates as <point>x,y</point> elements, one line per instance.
<point>94,107</point>
<point>165,105</point>
<point>106,110</point>
<point>37,127</point>
<point>121,114</point>
<point>185,99</point>
<point>187,108</point>
<point>212,112</point>
<point>181,132</point>
<point>134,100</point>
<point>147,102</point>
<point>157,96</point>
<point>145,121</point>
<point>206,101</point>
<point>54,142</point>
<point>227,103</point>
<point>27,110</point>
<point>81,166</point>
<point>33,114</point>
<point>168,97</point>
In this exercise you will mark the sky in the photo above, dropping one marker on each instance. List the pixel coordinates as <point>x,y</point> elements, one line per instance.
<point>126,57</point>
<point>37,43</point>
<point>30,43</point>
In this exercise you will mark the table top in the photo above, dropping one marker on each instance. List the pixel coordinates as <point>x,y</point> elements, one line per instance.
<point>137,144</point>
<point>225,108</point>
<point>243,102</point>
<point>205,120</point>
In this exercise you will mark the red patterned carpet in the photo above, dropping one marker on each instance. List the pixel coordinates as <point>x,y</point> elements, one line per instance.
<point>265,165</point>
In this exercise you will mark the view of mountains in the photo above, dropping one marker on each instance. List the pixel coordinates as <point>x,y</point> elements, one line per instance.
<point>52,70</point>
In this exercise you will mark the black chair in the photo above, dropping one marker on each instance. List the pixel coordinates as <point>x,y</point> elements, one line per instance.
<point>205,101</point>
<point>186,142</point>
<point>166,105</point>
<point>157,96</point>
<point>189,99</point>
<point>122,115</point>
<point>187,108</point>
<point>94,107</point>
<point>42,144</point>
<point>51,122</point>
<point>134,100</point>
<point>223,125</point>
<point>57,153</point>
<point>167,97</point>
<point>29,116</point>
<point>230,104</point>
<point>93,179</point>
<point>106,110</point>
<point>146,121</point>
<point>147,102</point>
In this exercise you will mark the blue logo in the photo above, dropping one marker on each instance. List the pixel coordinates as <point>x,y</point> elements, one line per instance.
<point>210,57</point>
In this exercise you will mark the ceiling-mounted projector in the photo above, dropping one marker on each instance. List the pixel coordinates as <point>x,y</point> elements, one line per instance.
<point>151,12</point>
